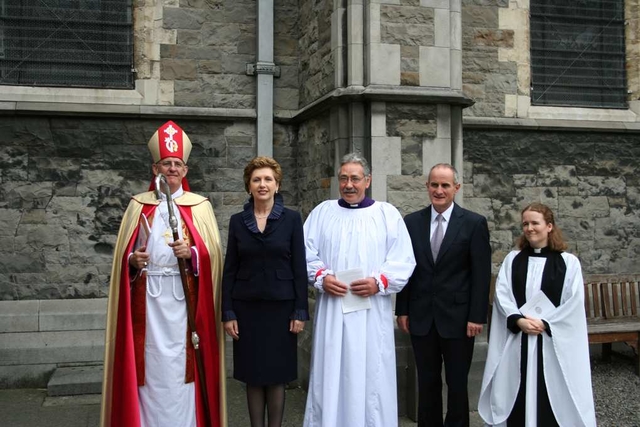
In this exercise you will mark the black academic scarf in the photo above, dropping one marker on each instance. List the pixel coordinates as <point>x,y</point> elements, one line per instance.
<point>553,274</point>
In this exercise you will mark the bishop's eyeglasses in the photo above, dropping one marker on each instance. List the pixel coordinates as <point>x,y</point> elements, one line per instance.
<point>168,164</point>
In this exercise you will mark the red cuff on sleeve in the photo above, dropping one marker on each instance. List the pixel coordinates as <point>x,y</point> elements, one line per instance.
<point>319,272</point>
<point>384,280</point>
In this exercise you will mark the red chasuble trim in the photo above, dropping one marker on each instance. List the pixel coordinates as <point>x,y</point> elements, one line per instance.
<point>206,327</point>
<point>125,409</point>
<point>139,307</point>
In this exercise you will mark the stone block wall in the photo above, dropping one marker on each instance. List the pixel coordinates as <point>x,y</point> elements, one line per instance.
<point>410,26</point>
<point>413,43</point>
<point>412,123</point>
<point>590,180</point>
<point>486,76</point>
<point>206,64</point>
<point>314,163</point>
<point>286,36</point>
<point>215,39</point>
<point>633,53</point>
<point>316,57</point>
<point>408,193</point>
<point>67,181</point>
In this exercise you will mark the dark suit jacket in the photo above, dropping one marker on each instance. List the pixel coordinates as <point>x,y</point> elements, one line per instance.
<point>265,266</point>
<point>454,289</point>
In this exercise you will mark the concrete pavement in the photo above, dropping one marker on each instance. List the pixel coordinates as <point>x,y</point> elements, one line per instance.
<point>33,408</point>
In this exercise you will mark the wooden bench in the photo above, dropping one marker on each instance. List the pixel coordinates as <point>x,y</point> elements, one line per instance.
<point>611,304</point>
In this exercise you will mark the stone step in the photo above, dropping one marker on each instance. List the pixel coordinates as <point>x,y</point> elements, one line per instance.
<point>73,315</point>
<point>59,347</point>
<point>77,380</point>
<point>36,337</point>
<point>52,315</point>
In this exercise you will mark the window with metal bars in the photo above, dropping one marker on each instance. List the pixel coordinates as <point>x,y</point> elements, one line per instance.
<point>578,53</point>
<point>70,43</point>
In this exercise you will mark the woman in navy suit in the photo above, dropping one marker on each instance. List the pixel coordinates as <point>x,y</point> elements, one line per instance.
<point>264,292</point>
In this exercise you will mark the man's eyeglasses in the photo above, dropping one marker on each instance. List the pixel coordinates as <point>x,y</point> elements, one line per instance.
<point>168,164</point>
<point>354,179</point>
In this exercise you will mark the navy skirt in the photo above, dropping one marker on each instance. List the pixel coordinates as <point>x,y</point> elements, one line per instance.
<point>266,352</point>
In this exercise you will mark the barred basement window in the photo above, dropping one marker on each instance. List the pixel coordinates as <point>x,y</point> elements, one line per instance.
<point>578,53</point>
<point>71,43</point>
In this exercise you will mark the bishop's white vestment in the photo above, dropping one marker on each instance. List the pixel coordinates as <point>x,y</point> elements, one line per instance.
<point>353,368</point>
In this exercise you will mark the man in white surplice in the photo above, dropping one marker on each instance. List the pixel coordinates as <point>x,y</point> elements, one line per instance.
<point>353,369</point>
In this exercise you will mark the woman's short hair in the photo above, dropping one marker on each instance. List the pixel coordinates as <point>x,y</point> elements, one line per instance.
<point>555,240</point>
<point>259,163</point>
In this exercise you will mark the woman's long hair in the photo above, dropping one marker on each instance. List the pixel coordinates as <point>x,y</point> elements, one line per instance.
<point>555,241</point>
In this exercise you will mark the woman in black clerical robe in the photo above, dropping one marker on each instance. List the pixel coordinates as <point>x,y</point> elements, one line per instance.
<point>537,371</point>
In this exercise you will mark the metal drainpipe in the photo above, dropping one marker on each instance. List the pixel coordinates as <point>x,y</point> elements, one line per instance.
<point>264,70</point>
<point>457,159</point>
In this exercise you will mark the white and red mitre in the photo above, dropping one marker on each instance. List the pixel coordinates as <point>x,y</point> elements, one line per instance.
<point>170,141</point>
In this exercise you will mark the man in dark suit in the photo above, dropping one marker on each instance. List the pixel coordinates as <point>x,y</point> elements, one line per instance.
<point>444,305</point>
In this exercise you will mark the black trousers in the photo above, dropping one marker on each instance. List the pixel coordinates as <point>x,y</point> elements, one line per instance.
<point>430,351</point>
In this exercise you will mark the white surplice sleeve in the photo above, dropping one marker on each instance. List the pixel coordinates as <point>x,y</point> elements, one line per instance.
<point>400,260</point>
<point>566,353</point>
<point>501,379</point>
<point>316,268</point>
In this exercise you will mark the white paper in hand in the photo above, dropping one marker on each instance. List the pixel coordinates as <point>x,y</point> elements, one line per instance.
<point>352,302</point>
<point>538,306</point>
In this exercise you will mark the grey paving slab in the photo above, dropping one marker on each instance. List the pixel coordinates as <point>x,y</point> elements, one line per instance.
<point>32,408</point>
<point>237,406</point>
<point>24,408</point>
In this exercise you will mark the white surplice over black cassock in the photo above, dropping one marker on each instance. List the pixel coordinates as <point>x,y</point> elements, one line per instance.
<point>566,372</point>
<point>353,368</point>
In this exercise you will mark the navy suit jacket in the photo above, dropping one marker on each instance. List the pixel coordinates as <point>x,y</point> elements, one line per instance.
<point>454,289</point>
<point>265,266</point>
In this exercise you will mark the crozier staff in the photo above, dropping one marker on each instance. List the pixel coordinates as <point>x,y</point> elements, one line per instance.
<point>150,371</point>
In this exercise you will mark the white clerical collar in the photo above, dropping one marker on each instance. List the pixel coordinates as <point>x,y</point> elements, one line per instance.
<point>446,214</point>
<point>179,192</point>
<point>537,250</point>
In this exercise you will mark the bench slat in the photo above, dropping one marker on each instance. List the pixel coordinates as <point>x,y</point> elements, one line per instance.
<point>606,338</point>
<point>634,295</point>
<point>619,325</point>
<point>596,300</point>
<point>606,300</point>
<point>626,304</point>
<point>615,293</point>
